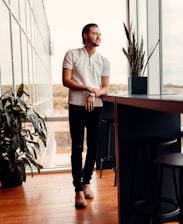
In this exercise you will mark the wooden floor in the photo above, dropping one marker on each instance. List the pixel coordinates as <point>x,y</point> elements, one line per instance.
<point>49,199</point>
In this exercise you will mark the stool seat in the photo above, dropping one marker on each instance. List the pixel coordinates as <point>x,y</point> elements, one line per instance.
<point>155,141</point>
<point>148,208</point>
<point>170,159</point>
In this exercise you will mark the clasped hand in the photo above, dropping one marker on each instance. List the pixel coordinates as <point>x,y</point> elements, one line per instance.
<point>89,104</point>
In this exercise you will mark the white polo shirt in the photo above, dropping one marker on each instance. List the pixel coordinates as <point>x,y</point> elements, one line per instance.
<point>86,70</point>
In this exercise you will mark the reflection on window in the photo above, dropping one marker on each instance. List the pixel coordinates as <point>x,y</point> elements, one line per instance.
<point>5,46</point>
<point>25,61</point>
<point>172,32</point>
<point>16,53</point>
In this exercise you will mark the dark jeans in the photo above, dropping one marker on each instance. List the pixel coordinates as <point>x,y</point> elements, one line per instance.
<point>79,118</point>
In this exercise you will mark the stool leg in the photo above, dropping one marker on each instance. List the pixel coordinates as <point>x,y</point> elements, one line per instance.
<point>114,176</point>
<point>130,214</point>
<point>175,185</point>
<point>129,217</point>
<point>159,194</point>
<point>133,177</point>
<point>115,180</point>
<point>101,167</point>
<point>157,219</point>
<point>174,178</point>
<point>106,156</point>
<point>109,142</point>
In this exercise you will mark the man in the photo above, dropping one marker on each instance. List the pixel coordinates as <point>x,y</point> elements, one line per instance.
<point>86,74</point>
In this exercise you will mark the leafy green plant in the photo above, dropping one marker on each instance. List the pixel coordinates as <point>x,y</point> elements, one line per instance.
<point>21,131</point>
<point>135,53</point>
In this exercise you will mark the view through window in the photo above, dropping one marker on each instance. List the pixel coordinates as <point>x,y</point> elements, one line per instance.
<point>66,20</point>
<point>172,32</point>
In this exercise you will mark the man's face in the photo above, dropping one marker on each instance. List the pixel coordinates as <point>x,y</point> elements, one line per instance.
<point>93,37</point>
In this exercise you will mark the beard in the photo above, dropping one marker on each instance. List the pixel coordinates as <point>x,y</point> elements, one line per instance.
<point>93,43</point>
<point>96,45</point>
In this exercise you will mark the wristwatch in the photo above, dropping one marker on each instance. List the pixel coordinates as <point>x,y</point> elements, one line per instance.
<point>91,94</point>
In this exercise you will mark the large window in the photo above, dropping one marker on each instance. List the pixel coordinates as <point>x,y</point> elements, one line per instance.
<point>172,44</point>
<point>161,20</point>
<point>25,55</point>
<point>16,54</point>
<point>66,32</point>
<point>5,43</point>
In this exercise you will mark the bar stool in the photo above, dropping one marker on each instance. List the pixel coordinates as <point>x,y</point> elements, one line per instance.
<point>172,161</point>
<point>144,208</point>
<point>108,157</point>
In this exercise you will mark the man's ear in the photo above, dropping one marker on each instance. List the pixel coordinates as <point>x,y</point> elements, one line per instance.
<point>85,35</point>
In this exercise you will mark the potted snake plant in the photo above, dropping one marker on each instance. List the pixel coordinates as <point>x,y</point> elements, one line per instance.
<point>22,132</point>
<point>137,82</point>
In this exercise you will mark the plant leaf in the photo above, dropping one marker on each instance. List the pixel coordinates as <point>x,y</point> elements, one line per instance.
<point>150,56</point>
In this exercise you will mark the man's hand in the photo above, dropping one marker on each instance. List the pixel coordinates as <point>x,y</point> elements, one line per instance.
<point>89,104</point>
<point>96,92</point>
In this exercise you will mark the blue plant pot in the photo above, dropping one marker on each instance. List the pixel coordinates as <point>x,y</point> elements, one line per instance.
<point>137,85</point>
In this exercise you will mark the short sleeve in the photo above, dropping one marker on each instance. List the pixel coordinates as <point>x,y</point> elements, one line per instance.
<point>68,60</point>
<point>106,69</point>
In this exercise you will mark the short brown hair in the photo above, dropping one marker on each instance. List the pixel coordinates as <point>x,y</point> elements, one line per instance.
<point>86,29</point>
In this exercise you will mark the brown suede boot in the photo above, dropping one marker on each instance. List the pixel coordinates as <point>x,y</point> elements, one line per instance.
<point>88,193</point>
<point>80,201</point>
